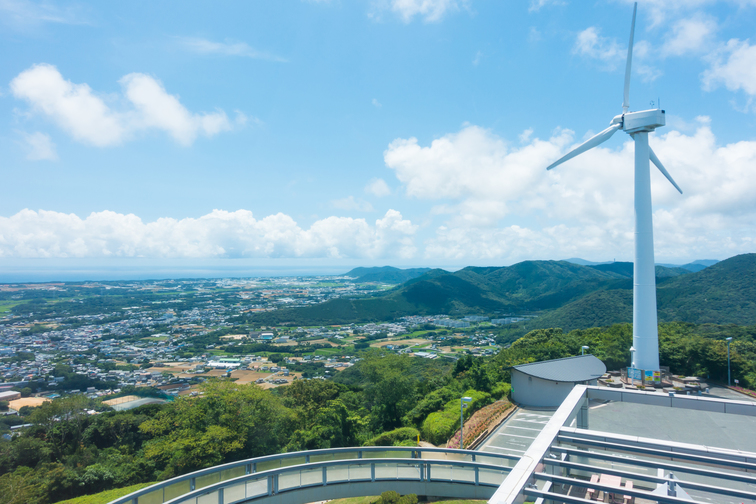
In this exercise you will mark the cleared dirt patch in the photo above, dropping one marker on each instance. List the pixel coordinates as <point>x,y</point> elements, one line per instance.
<point>17,404</point>
<point>121,400</point>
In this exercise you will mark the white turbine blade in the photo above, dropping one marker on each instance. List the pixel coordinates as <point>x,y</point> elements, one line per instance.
<point>589,144</point>
<point>626,101</point>
<point>655,160</point>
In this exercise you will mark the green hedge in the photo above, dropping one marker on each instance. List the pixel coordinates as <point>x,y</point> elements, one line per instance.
<point>501,390</point>
<point>440,426</point>
<point>403,436</point>
<point>431,403</point>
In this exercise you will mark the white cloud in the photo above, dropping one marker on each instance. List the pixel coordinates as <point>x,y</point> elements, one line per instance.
<point>84,115</point>
<point>218,234</point>
<point>376,103</point>
<point>500,204</point>
<point>734,65</point>
<point>660,11</point>
<point>39,147</point>
<point>352,204</point>
<point>477,58</point>
<point>73,107</point>
<point>227,48</point>
<point>690,35</point>
<point>589,43</point>
<point>24,13</point>
<point>155,108</point>
<point>536,5</point>
<point>429,10</point>
<point>378,187</point>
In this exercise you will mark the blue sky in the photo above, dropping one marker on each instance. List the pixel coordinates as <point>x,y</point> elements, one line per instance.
<point>405,132</point>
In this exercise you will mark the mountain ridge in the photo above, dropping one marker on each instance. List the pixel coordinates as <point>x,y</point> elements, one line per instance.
<point>564,294</point>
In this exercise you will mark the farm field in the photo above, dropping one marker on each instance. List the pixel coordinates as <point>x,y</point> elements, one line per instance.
<point>27,401</point>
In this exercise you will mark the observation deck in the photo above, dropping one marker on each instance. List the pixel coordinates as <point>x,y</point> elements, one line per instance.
<point>558,466</point>
<point>300,477</point>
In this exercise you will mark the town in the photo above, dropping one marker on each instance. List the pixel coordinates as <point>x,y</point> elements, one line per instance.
<point>119,339</point>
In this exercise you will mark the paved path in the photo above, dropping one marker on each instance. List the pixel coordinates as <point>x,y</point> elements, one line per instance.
<point>514,436</point>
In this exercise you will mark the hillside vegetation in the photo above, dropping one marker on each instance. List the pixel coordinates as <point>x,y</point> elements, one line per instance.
<point>384,399</point>
<point>386,274</point>
<point>564,294</point>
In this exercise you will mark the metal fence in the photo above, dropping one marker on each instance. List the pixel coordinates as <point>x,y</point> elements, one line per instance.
<point>263,477</point>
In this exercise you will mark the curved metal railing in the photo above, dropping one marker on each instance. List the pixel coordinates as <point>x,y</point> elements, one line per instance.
<point>261,477</point>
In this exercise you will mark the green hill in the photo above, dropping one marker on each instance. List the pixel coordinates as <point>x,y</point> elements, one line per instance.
<point>625,269</point>
<point>567,295</point>
<point>724,293</point>
<point>386,274</point>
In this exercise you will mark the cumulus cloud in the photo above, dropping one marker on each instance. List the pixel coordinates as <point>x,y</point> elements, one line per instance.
<point>39,147</point>
<point>226,48</point>
<point>352,204</point>
<point>589,43</point>
<point>499,203</point>
<point>378,187</point>
<point>690,35</point>
<point>89,118</point>
<point>734,65</point>
<point>218,234</point>
<point>429,10</point>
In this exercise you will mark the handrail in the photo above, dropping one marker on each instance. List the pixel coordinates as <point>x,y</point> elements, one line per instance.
<point>251,465</point>
<point>271,476</point>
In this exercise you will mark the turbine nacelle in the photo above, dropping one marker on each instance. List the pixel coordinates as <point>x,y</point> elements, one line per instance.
<point>645,120</point>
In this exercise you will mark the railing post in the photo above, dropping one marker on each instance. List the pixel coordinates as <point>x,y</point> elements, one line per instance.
<point>477,480</point>
<point>372,471</point>
<point>248,469</point>
<point>359,454</point>
<point>192,484</point>
<point>307,458</point>
<point>429,471</point>
<point>220,496</point>
<point>135,500</point>
<point>325,476</point>
<point>254,467</point>
<point>473,457</point>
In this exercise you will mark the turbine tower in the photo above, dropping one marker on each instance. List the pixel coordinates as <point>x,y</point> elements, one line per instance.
<point>638,125</point>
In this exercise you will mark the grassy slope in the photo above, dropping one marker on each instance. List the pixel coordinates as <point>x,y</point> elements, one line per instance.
<point>106,496</point>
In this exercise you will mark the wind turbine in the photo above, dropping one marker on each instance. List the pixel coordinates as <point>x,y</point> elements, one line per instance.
<point>638,125</point>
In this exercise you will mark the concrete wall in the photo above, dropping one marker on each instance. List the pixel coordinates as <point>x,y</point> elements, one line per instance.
<point>531,391</point>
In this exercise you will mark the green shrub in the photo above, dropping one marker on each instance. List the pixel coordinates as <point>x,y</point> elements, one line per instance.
<point>391,497</point>
<point>403,436</point>
<point>430,403</point>
<point>501,390</point>
<point>440,425</point>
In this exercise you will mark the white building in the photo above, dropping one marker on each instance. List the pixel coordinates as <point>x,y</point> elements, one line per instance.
<point>546,384</point>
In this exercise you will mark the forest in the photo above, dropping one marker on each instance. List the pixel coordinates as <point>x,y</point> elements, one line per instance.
<point>385,399</point>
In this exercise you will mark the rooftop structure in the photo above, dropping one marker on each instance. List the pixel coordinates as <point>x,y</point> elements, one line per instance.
<point>547,383</point>
<point>581,368</point>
